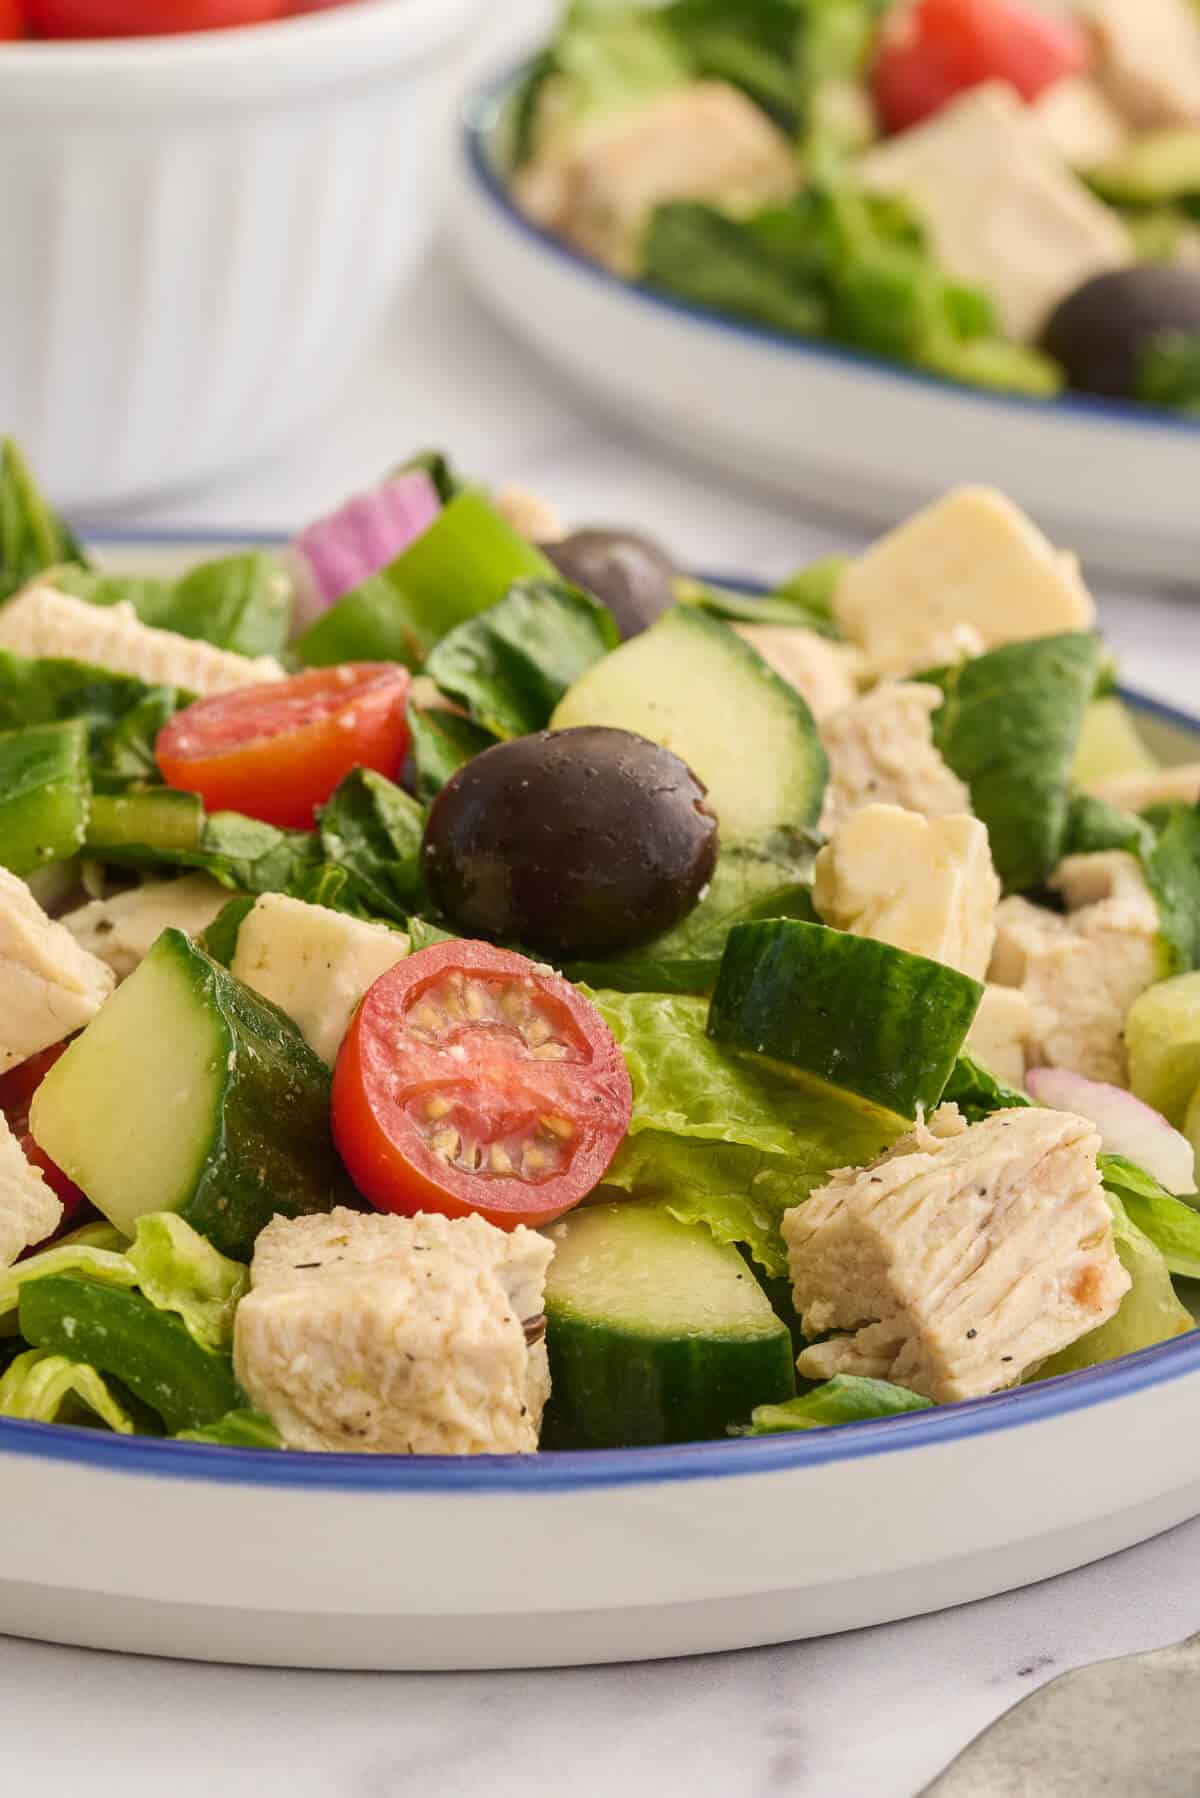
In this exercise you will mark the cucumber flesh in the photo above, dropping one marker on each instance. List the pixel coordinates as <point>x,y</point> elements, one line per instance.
<point>1162,1037</point>
<point>691,683</point>
<point>853,1013</point>
<point>1109,744</point>
<point>44,792</point>
<point>189,1093</point>
<point>123,1335</point>
<point>656,1332</point>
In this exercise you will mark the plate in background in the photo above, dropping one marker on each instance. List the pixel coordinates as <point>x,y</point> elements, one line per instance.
<point>849,432</point>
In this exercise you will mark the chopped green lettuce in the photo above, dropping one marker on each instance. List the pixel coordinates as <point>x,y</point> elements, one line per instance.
<point>442,743</point>
<point>1169,371</point>
<point>846,1398</point>
<point>32,536</point>
<point>511,664</point>
<point>48,1388</point>
<point>95,1249</point>
<point>805,599</point>
<point>50,690</point>
<point>371,830</point>
<point>1009,727</point>
<point>179,1270</point>
<point>241,602</point>
<point>978,1093</point>
<point>1150,1312</point>
<point>237,1429</point>
<point>1171,1224</point>
<point>1093,826</point>
<point>720,1140</point>
<point>1172,870</point>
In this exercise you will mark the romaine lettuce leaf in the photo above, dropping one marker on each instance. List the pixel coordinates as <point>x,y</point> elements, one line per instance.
<point>1150,1312</point>
<point>978,1093</point>
<point>47,1388</point>
<point>32,536</point>
<point>846,1398</point>
<point>1172,871</point>
<point>95,1249</point>
<point>1171,1224</point>
<point>179,1270</point>
<point>510,665</point>
<point>720,1140</point>
<point>237,1429</point>
<point>1008,726</point>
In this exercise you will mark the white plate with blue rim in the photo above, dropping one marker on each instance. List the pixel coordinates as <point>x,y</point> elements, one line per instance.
<point>848,432</point>
<point>396,1562</point>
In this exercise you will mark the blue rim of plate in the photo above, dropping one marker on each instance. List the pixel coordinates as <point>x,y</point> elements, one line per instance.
<point>558,1471</point>
<point>479,117</point>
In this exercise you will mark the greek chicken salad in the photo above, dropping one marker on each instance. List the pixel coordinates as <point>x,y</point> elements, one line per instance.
<point>471,987</point>
<point>1005,193</point>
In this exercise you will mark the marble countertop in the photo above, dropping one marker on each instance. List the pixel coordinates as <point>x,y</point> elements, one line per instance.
<point>870,1715</point>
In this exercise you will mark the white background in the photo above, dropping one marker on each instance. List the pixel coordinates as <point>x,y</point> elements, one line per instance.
<point>876,1713</point>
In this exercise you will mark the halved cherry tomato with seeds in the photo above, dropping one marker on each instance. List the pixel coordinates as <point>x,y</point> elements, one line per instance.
<point>277,751</point>
<point>472,1079</point>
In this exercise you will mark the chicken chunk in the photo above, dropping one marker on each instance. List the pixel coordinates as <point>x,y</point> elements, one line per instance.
<point>49,985</point>
<point>1082,972</point>
<point>29,1211</point>
<point>1001,1034</point>
<point>922,884</point>
<point>121,930</point>
<point>1003,210</point>
<point>967,573</point>
<point>315,964</point>
<point>823,673</point>
<point>397,1335</point>
<point>1149,59</point>
<point>1080,122</point>
<point>881,751</point>
<point>1161,786</point>
<point>960,1261</point>
<point>41,622</point>
<point>706,141</point>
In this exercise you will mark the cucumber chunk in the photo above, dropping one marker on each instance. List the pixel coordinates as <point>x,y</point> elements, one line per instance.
<point>691,683</point>
<point>655,1332</point>
<point>122,1334</point>
<point>189,1093</point>
<point>1109,744</point>
<point>44,792</point>
<point>1162,1037</point>
<point>854,1013</point>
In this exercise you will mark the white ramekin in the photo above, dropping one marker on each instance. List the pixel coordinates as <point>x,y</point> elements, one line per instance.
<point>198,233</point>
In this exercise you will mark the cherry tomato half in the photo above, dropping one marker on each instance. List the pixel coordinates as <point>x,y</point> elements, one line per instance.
<point>277,751</point>
<point>144,18</point>
<point>934,50</point>
<point>17,1088</point>
<point>474,1080</point>
<point>12,20</point>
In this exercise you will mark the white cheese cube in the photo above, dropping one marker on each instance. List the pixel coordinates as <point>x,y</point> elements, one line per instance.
<point>1003,210</point>
<point>969,561</point>
<point>926,885</point>
<point>49,986</point>
<point>41,622</point>
<point>313,963</point>
<point>397,1335</point>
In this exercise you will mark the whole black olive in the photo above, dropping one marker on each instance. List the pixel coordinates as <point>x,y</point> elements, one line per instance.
<point>1101,332</point>
<point>629,574</point>
<point>572,842</point>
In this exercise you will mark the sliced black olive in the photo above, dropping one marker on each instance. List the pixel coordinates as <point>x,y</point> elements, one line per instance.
<point>572,842</point>
<point>1101,332</point>
<point>629,574</point>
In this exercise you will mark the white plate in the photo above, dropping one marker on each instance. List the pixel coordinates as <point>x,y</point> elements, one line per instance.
<point>846,431</point>
<point>392,1562</point>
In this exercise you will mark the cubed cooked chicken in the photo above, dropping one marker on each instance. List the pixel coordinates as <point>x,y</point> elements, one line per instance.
<point>922,884</point>
<point>706,141</point>
<point>29,1211</point>
<point>1149,58</point>
<point>969,572</point>
<point>49,985</point>
<point>397,1335</point>
<point>1080,122</point>
<point>962,1259</point>
<point>881,751</point>
<point>1081,972</point>
<point>823,673</point>
<point>122,929</point>
<point>1001,1034</point>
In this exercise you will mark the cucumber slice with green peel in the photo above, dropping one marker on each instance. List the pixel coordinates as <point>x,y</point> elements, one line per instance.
<point>467,560</point>
<point>123,1335</point>
<point>846,1010</point>
<point>145,827</point>
<point>655,1332</point>
<point>189,1093</point>
<point>691,683</point>
<point>1109,744</point>
<point>44,794</point>
<point>1162,1038</point>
